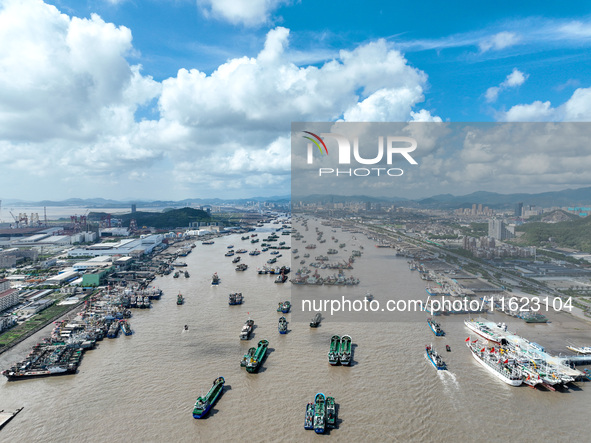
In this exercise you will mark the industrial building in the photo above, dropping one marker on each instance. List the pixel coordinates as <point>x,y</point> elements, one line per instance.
<point>127,247</point>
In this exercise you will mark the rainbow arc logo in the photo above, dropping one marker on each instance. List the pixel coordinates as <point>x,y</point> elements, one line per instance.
<point>316,142</point>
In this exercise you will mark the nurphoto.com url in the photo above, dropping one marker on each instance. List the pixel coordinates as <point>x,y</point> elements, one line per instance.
<point>436,306</point>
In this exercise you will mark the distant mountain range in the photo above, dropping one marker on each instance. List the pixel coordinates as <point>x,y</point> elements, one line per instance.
<point>566,197</point>
<point>108,203</point>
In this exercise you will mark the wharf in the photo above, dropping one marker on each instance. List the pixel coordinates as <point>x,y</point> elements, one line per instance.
<point>5,417</point>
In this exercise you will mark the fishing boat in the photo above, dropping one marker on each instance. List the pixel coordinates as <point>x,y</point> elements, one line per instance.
<point>331,413</point>
<point>309,420</point>
<point>180,299</point>
<point>215,279</point>
<point>282,326</point>
<point>316,320</point>
<point>236,259</point>
<point>126,328</point>
<point>235,298</point>
<point>345,351</point>
<point>113,331</point>
<point>535,317</point>
<point>281,278</point>
<point>484,331</point>
<point>447,348</point>
<point>495,364</point>
<point>319,413</point>
<point>580,349</point>
<point>435,358</point>
<point>247,356</point>
<point>435,327</point>
<point>368,297</point>
<point>587,373</point>
<point>242,267</point>
<point>187,274</point>
<point>254,363</point>
<point>204,404</point>
<point>246,329</point>
<point>285,307</point>
<point>334,350</point>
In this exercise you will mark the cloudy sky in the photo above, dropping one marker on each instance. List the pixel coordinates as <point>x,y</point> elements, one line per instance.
<point>172,99</point>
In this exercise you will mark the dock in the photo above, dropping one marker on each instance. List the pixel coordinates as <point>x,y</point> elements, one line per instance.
<point>5,417</point>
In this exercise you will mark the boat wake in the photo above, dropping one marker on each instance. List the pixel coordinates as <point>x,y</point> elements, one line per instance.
<point>449,379</point>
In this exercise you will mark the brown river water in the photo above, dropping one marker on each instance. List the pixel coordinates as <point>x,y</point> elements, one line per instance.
<point>142,388</point>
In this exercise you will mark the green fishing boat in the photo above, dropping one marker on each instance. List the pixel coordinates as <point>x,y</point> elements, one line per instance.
<point>204,404</point>
<point>345,354</point>
<point>253,364</point>
<point>319,413</point>
<point>331,413</point>
<point>334,351</point>
<point>180,299</point>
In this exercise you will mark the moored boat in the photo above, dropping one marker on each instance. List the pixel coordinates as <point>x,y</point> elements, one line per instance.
<point>331,412</point>
<point>246,329</point>
<point>255,361</point>
<point>282,326</point>
<point>345,350</point>
<point>204,404</point>
<point>247,356</point>
<point>334,350</point>
<point>309,420</point>
<point>319,413</point>
<point>495,364</point>
<point>316,320</point>
<point>285,307</point>
<point>484,331</point>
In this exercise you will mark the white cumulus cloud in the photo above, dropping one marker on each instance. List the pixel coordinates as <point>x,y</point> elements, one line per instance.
<point>248,13</point>
<point>576,109</point>
<point>513,80</point>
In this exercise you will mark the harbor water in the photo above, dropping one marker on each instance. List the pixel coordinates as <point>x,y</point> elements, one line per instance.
<point>142,388</point>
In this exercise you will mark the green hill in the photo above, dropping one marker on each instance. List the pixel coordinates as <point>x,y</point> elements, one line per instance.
<point>574,234</point>
<point>168,219</point>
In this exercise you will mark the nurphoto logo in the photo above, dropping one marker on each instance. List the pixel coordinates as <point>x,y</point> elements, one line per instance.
<point>395,145</point>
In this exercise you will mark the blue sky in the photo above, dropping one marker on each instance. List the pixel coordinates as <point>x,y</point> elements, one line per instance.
<point>171,99</point>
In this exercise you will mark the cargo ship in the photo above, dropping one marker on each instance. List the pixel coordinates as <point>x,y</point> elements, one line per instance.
<point>345,351</point>
<point>334,350</point>
<point>255,361</point>
<point>204,404</point>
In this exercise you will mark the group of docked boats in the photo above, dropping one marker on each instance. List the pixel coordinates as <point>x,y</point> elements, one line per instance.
<point>340,350</point>
<point>321,414</point>
<point>515,360</point>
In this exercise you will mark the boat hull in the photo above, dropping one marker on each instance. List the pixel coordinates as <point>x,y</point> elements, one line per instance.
<point>495,373</point>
